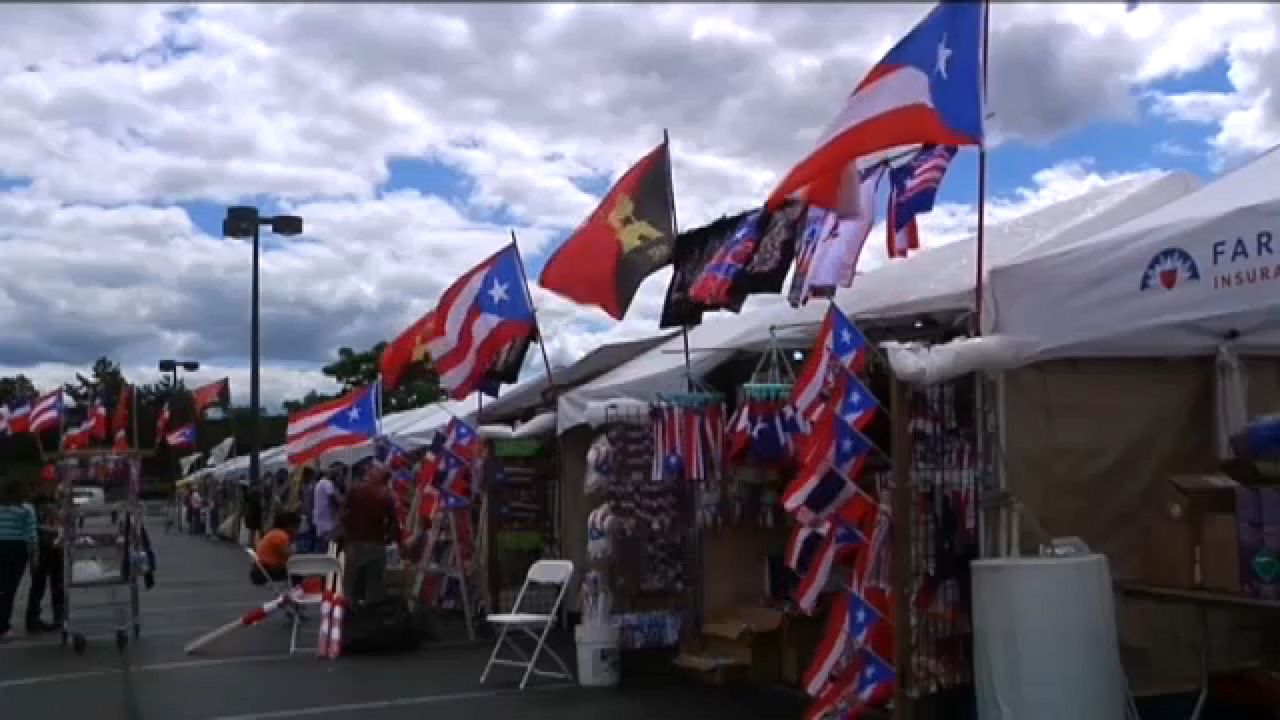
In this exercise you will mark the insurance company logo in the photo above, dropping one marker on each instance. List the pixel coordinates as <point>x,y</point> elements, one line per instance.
<point>1170,268</point>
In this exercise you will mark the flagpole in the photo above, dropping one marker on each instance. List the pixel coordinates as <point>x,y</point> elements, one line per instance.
<point>542,344</point>
<point>675,229</point>
<point>976,322</point>
<point>133,420</point>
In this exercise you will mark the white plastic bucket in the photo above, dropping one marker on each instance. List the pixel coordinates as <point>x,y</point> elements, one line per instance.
<point>597,655</point>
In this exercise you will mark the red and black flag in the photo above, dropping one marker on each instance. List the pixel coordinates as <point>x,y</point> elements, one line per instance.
<point>409,348</point>
<point>624,240</point>
<point>215,394</point>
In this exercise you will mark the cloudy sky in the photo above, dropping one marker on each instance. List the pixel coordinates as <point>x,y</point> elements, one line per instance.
<point>414,138</point>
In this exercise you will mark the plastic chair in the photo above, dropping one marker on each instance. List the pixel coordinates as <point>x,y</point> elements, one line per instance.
<point>307,565</point>
<point>535,625</point>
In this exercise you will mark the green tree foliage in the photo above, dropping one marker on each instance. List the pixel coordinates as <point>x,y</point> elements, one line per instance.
<point>104,379</point>
<point>13,388</point>
<point>420,386</point>
<point>18,452</point>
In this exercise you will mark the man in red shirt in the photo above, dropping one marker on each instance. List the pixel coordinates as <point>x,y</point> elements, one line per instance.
<point>368,525</point>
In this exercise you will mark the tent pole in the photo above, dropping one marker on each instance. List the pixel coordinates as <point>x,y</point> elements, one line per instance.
<point>901,526</point>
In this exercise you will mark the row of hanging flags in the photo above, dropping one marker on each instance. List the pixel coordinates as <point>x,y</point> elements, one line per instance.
<point>925,93</point>
<point>48,412</point>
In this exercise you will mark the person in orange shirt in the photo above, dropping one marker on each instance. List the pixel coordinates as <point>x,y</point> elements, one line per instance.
<point>275,548</point>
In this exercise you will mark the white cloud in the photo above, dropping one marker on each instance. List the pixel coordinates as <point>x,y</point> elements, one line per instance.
<point>114,112</point>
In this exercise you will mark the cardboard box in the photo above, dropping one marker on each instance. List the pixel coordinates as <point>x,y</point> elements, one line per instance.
<point>1191,541</point>
<point>737,642</point>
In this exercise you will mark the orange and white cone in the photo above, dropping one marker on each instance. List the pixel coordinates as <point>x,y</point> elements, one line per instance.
<point>326,608</point>
<point>335,628</point>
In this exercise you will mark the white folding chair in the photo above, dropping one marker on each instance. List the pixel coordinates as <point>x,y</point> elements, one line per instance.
<point>276,586</point>
<point>309,565</point>
<point>535,625</point>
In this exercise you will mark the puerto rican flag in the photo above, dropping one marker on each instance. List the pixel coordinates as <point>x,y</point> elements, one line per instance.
<point>831,649</point>
<point>350,420</point>
<point>839,345</point>
<point>817,496</point>
<point>837,539</point>
<point>20,417</point>
<point>479,318</point>
<point>46,414</point>
<point>183,437</point>
<point>448,466</point>
<point>79,437</point>
<point>927,89</point>
<point>875,684</point>
<point>913,187</point>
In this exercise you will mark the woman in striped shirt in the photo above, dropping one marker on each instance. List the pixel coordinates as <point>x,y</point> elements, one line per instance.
<point>17,545</point>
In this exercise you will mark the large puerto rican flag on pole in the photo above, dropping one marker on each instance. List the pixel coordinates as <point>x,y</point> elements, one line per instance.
<point>46,414</point>
<point>350,420</point>
<point>480,316</point>
<point>927,89</point>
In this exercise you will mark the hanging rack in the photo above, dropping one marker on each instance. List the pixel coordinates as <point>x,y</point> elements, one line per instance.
<point>772,377</point>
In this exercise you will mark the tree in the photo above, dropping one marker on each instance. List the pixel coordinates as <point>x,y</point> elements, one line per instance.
<point>15,388</point>
<point>19,453</point>
<point>105,380</point>
<point>420,386</point>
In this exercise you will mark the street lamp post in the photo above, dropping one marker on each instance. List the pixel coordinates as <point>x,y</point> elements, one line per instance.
<point>243,222</point>
<point>172,366</point>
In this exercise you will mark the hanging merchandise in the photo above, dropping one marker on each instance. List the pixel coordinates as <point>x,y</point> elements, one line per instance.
<point>712,287</point>
<point>767,271</point>
<point>686,431</point>
<point>599,526</point>
<point>694,249</point>
<point>812,222</point>
<point>599,466</point>
<point>913,186</point>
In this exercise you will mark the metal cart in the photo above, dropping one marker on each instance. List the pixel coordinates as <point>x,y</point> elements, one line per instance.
<point>103,547</point>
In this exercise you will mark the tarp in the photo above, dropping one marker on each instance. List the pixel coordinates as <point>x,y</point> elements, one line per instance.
<point>1174,282</point>
<point>935,280</point>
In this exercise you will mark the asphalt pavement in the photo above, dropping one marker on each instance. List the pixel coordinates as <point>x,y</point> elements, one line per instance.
<point>202,584</point>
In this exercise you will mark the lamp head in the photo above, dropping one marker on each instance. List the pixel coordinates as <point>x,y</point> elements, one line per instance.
<point>287,225</point>
<point>241,221</point>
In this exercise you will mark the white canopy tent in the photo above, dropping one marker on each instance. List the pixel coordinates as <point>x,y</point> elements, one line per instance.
<point>1173,282</point>
<point>939,279</point>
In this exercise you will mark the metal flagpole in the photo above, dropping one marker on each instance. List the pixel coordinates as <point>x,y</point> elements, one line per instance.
<point>542,343</point>
<point>976,322</point>
<point>675,230</point>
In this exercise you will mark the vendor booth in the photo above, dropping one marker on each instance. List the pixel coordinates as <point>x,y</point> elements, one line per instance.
<point>924,298</point>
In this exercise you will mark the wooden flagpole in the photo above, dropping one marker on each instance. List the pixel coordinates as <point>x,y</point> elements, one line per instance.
<point>979,251</point>
<point>675,231</point>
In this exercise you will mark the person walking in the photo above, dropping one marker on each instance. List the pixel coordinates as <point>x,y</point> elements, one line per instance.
<point>368,524</point>
<point>17,545</point>
<point>253,513</point>
<point>324,509</point>
<point>47,572</point>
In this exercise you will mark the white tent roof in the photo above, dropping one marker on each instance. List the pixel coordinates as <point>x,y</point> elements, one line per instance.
<point>942,278</point>
<point>938,279</point>
<point>1172,282</point>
